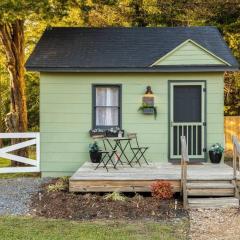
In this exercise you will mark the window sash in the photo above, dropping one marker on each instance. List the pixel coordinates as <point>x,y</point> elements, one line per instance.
<point>116,97</point>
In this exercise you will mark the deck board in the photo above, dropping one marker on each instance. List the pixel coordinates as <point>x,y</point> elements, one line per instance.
<point>125,178</point>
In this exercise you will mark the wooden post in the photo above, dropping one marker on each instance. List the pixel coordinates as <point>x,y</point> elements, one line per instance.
<point>184,162</point>
<point>236,155</point>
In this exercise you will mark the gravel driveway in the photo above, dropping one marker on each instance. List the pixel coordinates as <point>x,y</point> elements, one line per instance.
<point>15,194</point>
<point>215,224</point>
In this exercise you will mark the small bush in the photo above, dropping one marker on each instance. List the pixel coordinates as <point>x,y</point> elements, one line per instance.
<point>115,196</point>
<point>162,190</point>
<point>60,185</point>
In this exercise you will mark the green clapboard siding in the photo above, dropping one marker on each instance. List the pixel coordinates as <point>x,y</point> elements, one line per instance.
<point>189,54</point>
<point>66,114</point>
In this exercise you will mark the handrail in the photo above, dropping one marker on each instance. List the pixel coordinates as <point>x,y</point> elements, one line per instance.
<point>184,162</point>
<point>236,155</point>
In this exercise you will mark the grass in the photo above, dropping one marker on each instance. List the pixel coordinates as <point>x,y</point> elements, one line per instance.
<point>28,228</point>
<point>7,163</point>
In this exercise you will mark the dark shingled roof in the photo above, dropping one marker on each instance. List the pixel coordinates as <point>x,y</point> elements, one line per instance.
<point>122,49</point>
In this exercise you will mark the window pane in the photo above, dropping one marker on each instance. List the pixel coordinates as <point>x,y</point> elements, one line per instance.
<point>106,116</point>
<point>107,96</point>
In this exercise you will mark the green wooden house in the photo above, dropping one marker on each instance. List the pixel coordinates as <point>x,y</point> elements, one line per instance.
<point>96,78</point>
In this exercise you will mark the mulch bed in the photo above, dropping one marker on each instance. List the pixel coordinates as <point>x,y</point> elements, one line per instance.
<point>63,204</point>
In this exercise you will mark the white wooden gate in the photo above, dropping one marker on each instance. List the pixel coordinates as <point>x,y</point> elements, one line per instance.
<point>4,152</point>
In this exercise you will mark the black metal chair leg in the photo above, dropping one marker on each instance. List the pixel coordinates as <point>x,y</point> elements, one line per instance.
<point>101,161</point>
<point>135,157</point>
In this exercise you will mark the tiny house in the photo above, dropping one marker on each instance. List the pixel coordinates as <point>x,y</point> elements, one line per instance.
<point>96,78</point>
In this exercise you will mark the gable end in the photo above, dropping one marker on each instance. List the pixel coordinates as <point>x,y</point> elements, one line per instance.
<point>190,53</point>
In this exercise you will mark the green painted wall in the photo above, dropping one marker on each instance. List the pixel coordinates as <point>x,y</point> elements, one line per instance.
<point>189,54</point>
<point>66,114</point>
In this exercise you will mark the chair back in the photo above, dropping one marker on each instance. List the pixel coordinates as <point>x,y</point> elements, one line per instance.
<point>133,136</point>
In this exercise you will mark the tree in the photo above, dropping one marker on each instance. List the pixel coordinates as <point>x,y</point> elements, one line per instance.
<point>13,15</point>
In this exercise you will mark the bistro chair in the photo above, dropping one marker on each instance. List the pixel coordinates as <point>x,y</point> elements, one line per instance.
<point>107,156</point>
<point>138,152</point>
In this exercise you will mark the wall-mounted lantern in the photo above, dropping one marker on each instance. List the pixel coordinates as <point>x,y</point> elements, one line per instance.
<point>148,103</point>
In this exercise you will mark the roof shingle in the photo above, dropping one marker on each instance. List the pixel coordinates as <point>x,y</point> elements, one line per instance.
<point>76,49</point>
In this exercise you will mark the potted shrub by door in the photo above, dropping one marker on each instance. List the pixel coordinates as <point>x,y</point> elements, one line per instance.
<point>215,153</point>
<point>95,153</point>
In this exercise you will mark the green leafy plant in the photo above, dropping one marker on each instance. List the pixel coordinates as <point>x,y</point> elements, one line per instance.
<point>60,185</point>
<point>162,190</point>
<point>146,106</point>
<point>217,148</point>
<point>115,196</point>
<point>93,147</point>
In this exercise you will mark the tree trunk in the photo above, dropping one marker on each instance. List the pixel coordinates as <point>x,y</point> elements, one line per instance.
<point>12,38</point>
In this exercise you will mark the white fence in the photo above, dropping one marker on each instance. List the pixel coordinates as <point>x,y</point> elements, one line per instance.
<point>4,152</point>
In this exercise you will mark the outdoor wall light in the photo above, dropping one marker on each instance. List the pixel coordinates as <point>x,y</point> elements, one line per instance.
<point>148,103</point>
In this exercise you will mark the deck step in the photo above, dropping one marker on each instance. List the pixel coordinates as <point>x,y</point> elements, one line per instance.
<point>210,185</point>
<point>210,189</point>
<point>218,202</point>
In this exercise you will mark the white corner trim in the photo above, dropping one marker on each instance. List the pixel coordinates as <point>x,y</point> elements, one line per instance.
<point>182,44</point>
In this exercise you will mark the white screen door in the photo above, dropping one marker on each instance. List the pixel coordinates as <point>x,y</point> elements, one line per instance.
<point>187,118</point>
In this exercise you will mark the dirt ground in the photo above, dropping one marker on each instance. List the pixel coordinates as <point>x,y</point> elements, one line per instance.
<point>62,204</point>
<point>215,224</point>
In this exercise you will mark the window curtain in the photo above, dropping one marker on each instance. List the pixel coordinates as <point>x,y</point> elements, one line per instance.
<point>107,106</point>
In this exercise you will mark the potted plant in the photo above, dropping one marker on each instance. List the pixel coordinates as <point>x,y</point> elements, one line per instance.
<point>114,132</point>
<point>95,153</point>
<point>148,109</point>
<point>96,132</point>
<point>215,153</point>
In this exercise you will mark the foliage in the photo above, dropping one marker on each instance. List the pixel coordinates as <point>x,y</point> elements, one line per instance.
<point>162,190</point>
<point>32,87</point>
<point>93,147</point>
<point>232,94</point>
<point>217,148</point>
<point>145,106</point>
<point>60,185</point>
<point>115,196</point>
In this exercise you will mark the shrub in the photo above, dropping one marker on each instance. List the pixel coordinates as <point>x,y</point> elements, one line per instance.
<point>161,190</point>
<point>60,185</point>
<point>115,196</point>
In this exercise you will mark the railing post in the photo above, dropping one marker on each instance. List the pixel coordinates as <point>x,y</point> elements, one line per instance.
<point>184,161</point>
<point>236,154</point>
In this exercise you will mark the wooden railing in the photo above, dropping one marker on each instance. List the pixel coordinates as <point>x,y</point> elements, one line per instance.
<point>236,162</point>
<point>184,163</point>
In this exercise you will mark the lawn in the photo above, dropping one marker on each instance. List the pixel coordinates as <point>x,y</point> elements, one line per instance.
<point>28,228</point>
<point>7,163</point>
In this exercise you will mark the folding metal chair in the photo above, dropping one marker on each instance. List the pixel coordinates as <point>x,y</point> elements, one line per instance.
<point>138,152</point>
<point>106,155</point>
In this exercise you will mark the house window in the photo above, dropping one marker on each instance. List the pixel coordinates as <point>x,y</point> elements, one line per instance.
<point>107,106</point>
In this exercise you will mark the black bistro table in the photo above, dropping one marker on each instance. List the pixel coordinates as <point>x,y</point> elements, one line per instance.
<point>119,143</point>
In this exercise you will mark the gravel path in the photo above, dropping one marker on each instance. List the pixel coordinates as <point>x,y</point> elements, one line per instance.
<point>15,194</point>
<point>215,224</point>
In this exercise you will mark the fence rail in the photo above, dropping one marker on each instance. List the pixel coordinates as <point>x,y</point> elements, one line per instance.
<point>5,152</point>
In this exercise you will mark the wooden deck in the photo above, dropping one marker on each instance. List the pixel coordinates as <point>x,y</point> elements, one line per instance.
<point>139,179</point>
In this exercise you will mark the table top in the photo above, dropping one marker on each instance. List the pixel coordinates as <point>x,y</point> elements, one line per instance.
<point>118,138</point>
